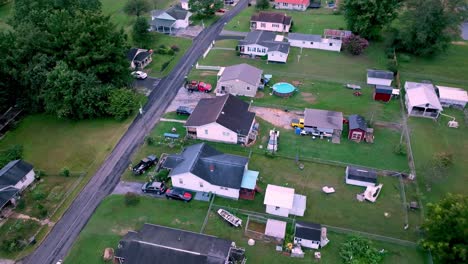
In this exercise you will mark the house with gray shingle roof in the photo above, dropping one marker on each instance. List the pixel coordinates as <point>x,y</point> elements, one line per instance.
<point>241,79</point>
<point>173,18</point>
<point>14,178</point>
<point>264,43</point>
<point>310,41</point>
<point>202,168</point>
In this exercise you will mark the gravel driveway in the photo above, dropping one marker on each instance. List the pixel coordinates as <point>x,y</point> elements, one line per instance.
<point>185,98</point>
<point>277,117</point>
<point>134,187</point>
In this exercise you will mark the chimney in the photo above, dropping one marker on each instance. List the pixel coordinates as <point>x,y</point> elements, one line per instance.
<point>212,167</point>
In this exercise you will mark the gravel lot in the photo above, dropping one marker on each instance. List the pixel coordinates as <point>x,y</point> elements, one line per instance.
<point>185,98</point>
<point>277,117</point>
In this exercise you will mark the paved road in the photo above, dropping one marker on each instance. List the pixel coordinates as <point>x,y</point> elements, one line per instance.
<point>149,83</point>
<point>61,238</point>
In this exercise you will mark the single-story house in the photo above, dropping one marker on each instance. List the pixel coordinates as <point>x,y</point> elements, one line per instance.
<point>160,244</point>
<point>383,93</point>
<point>323,122</point>
<point>184,4</point>
<point>357,128</point>
<point>307,234</point>
<point>240,79</point>
<point>336,34</point>
<point>202,168</point>
<point>379,77</point>
<point>283,201</point>
<point>300,5</point>
<point>275,229</point>
<point>264,43</point>
<point>173,18</point>
<point>223,119</point>
<point>360,176</point>
<point>14,178</point>
<point>313,42</point>
<point>139,58</point>
<point>452,97</point>
<point>271,21</point>
<point>421,100</point>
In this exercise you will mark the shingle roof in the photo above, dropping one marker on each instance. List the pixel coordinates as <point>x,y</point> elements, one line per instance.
<point>6,193</point>
<point>323,119</point>
<point>309,231</point>
<point>380,74</point>
<point>272,17</point>
<point>304,37</point>
<point>266,39</point>
<point>227,110</point>
<point>159,244</point>
<point>244,72</point>
<point>362,174</point>
<point>14,171</point>
<point>131,53</point>
<point>357,122</point>
<point>142,55</point>
<point>177,12</point>
<point>209,164</point>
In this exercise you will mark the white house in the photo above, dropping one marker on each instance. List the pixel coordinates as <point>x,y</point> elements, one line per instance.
<point>264,43</point>
<point>14,178</point>
<point>300,5</point>
<point>313,42</point>
<point>222,119</point>
<point>421,100</point>
<point>360,176</point>
<point>271,21</point>
<point>379,77</point>
<point>202,168</point>
<point>283,201</point>
<point>240,79</point>
<point>452,97</point>
<point>169,20</point>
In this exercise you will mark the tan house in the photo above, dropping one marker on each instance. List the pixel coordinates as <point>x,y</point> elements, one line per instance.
<point>271,21</point>
<point>241,79</point>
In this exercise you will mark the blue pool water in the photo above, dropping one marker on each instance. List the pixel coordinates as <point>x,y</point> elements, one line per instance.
<point>283,88</point>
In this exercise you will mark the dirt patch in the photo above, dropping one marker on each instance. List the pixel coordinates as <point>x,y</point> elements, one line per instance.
<point>388,125</point>
<point>308,97</point>
<point>256,226</point>
<point>208,73</point>
<point>275,116</point>
<point>260,95</point>
<point>177,221</point>
<point>185,98</point>
<point>461,43</point>
<point>122,231</point>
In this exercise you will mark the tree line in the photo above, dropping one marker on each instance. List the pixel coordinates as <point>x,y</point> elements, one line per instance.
<point>65,58</point>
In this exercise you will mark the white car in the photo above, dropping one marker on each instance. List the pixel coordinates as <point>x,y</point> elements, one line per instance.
<point>139,75</point>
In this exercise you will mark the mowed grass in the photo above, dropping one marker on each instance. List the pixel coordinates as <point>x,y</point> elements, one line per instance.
<point>5,12</point>
<point>51,144</point>
<point>311,21</point>
<point>112,220</point>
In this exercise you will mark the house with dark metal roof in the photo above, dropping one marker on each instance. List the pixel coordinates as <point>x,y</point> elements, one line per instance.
<point>308,234</point>
<point>223,119</point>
<point>202,168</point>
<point>379,77</point>
<point>357,128</point>
<point>383,93</point>
<point>240,79</point>
<point>170,20</point>
<point>271,21</point>
<point>160,244</point>
<point>310,41</point>
<point>264,43</point>
<point>360,176</point>
<point>139,58</point>
<point>14,178</point>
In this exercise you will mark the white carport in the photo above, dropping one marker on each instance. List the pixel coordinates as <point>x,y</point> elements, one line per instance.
<point>451,96</point>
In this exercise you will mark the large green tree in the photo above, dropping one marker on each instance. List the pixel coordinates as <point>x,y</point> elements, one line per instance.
<point>205,8</point>
<point>446,229</point>
<point>367,17</point>
<point>136,7</point>
<point>122,102</point>
<point>140,33</point>
<point>428,26</point>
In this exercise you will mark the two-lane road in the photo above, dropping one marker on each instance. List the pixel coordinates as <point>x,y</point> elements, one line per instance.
<point>61,238</point>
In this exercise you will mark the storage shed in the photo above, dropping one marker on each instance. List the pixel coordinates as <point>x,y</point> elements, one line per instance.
<point>308,234</point>
<point>383,93</point>
<point>360,176</point>
<point>357,128</point>
<point>379,77</point>
<point>452,97</point>
<point>283,201</point>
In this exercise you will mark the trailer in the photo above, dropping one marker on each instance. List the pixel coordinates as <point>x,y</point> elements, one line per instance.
<point>230,218</point>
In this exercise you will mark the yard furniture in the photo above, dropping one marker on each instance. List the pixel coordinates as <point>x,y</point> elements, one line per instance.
<point>414,205</point>
<point>317,255</point>
<point>230,218</point>
<point>357,93</point>
<point>328,190</point>
<point>360,197</point>
<point>372,192</point>
<point>353,86</point>
<point>171,135</point>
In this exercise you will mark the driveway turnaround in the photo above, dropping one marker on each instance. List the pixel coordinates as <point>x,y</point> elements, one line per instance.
<point>64,233</point>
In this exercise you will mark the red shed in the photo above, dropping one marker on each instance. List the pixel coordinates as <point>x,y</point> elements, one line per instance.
<point>383,93</point>
<point>357,128</point>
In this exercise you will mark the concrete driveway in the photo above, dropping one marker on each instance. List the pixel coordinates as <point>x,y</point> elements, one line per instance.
<point>185,98</point>
<point>147,85</point>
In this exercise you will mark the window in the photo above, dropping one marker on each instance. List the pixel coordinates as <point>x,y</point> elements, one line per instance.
<point>248,88</point>
<point>331,44</point>
<point>263,50</point>
<point>223,188</point>
<point>275,25</point>
<point>285,4</point>
<point>23,179</point>
<point>226,134</point>
<point>223,88</point>
<point>311,43</point>
<point>262,25</point>
<point>248,48</point>
<point>181,181</point>
<point>201,184</point>
<point>277,208</point>
<point>206,131</point>
<point>356,135</point>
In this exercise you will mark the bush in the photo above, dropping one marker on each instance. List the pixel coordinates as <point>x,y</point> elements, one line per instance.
<point>392,66</point>
<point>122,102</point>
<point>162,176</point>
<point>359,250</point>
<point>65,172</point>
<point>175,48</point>
<point>21,204</point>
<point>443,159</point>
<point>42,211</point>
<point>13,152</point>
<point>389,53</point>
<point>131,199</point>
<point>161,51</point>
<point>400,149</point>
<point>150,141</point>
<point>404,58</point>
<point>170,52</point>
<point>355,45</point>
<point>38,194</point>
<point>165,64</point>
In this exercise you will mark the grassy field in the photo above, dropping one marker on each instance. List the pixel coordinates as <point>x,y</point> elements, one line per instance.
<point>309,22</point>
<point>5,11</point>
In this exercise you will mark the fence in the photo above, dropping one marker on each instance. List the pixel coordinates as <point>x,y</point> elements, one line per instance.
<point>206,67</point>
<point>208,49</point>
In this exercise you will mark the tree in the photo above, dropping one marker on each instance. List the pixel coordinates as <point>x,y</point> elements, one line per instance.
<point>122,102</point>
<point>263,4</point>
<point>354,44</point>
<point>205,8</point>
<point>136,7</point>
<point>13,152</point>
<point>428,26</point>
<point>141,35</point>
<point>446,229</point>
<point>358,250</point>
<point>367,17</point>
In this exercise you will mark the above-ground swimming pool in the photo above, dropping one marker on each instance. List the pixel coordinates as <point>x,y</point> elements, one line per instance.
<point>283,89</point>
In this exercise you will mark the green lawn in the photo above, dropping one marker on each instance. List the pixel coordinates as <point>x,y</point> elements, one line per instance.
<point>5,11</point>
<point>308,22</point>
<point>113,219</point>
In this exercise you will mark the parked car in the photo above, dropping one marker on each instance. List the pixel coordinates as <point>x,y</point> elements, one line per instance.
<point>154,187</point>
<point>184,110</point>
<point>139,75</point>
<point>144,164</point>
<point>198,86</point>
<point>178,194</point>
<point>297,123</point>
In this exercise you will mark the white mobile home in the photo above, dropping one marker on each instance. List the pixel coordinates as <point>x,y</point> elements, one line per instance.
<point>421,100</point>
<point>452,97</point>
<point>379,77</point>
<point>313,42</point>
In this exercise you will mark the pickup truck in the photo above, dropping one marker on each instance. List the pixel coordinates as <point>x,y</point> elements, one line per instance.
<point>144,164</point>
<point>198,86</point>
<point>297,123</point>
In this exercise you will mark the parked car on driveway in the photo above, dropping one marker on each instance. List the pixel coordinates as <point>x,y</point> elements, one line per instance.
<point>184,110</point>
<point>178,194</point>
<point>144,164</point>
<point>154,187</point>
<point>139,75</point>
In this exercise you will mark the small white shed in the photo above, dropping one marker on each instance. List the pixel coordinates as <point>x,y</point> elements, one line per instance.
<point>379,77</point>
<point>450,96</point>
<point>283,201</point>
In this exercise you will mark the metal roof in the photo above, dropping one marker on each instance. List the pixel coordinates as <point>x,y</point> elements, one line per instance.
<point>244,72</point>
<point>307,230</point>
<point>452,93</point>
<point>380,74</point>
<point>422,94</point>
<point>357,122</point>
<point>279,196</point>
<point>323,119</point>
<point>305,37</point>
<point>362,174</point>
